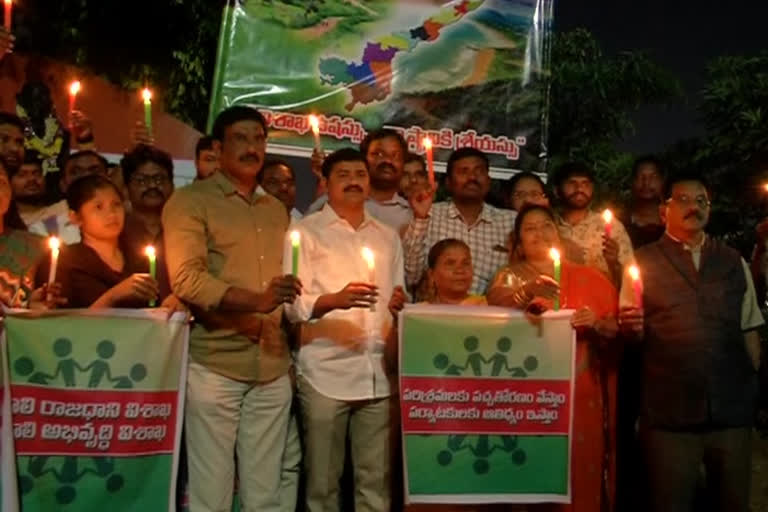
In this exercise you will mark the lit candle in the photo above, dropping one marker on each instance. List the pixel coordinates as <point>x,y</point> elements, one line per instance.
<point>147,95</point>
<point>8,7</point>
<point>314,122</point>
<point>637,285</point>
<point>555,255</point>
<point>74,88</point>
<point>152,257</point>
<point>427,142</point>
<point>608,218</point>
<point>370,261</point>
<point>54,244</point>
<point>295,243</point>
<point>765,187</point>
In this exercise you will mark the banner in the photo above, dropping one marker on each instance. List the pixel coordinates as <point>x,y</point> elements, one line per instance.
<point>463,72</point>
<point>486,405</point>
<point>97,403</point>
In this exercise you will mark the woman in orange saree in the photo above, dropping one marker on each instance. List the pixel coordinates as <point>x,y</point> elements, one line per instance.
<point>527,285</point>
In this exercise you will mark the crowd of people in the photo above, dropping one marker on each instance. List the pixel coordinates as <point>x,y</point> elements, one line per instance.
<point>289,369</point>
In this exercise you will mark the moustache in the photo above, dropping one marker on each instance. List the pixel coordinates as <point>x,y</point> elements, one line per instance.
<point>152,191</point>
<point>353,187</point>
<point>472,182</point>
<point>384,166</point>
<point>694,213</point>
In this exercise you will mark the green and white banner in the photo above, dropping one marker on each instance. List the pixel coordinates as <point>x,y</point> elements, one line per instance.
<point>486,405</point>
<point>95,401</point>
<point>463,72</point>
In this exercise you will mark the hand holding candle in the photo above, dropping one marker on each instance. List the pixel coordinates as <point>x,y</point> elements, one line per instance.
<point>555,255</point>
<point>368,256</point>
<point>146,94</point>
<point>427,142</point>
<point>295,245</point>
<point>152,257</point>
<point>314,123</point>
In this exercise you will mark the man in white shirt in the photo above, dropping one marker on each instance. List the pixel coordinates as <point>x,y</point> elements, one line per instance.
<point>384,151</point>
<point>343,379</point>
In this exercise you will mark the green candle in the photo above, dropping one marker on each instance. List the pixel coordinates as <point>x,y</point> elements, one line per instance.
<point>555,255</point>
<point>152,256</point>
<point>295,242</point>
<point>147,95</point>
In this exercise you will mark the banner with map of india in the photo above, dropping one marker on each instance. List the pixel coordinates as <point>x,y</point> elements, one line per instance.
<point>463,72</point>
<point>486,405</point>
<point>95,402</point>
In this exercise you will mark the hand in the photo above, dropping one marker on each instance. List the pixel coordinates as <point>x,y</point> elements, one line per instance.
<point>631,320</point>
<point>138,286</point>
<point>316,163</point>
<point>543,286</point>
<point>82,128</point>
<point>421,202</point>
<point>584,318</point>
<point>47,297</point>
<point>7,41</point>
<point>356,295</point>
<point>397,301</point>
<point>611,251</point>
<point>535,309</point>
<point>174,305</point>
<point>281,290</point>
<point>140,135</point>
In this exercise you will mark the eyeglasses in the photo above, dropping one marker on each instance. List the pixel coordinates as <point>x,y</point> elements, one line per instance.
<point>684,200</point>
<point>157,179</point>
<point>380,155</point>
<point>528,195</point>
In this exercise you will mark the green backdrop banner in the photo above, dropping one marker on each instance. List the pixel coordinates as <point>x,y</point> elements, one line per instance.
<point>464,72</point>
<point>96,402</point>
<point>486,405</point>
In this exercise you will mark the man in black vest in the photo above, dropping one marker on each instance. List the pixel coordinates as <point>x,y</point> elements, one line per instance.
<point>701,352</point>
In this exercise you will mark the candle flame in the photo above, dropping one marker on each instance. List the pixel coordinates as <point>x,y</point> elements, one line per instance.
<point>314,122</point>
<point>74,88</point>
<point>54,243</point>
<point>295,238</point>
<point>554,254</point>
<point>368,257</point>
<point>634,272</point>
<point>608,216</point>
<point>8,2</point>
<point>765,187</point>
<point>427,142</point>
<point>146,94</point>
<point>150,251</point>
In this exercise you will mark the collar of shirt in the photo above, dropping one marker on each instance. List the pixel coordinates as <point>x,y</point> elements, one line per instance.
<point>689,248</point>
<point>486,214</point>
<point>228,188</point>
<point>328,217</point>
<point>396,199</point>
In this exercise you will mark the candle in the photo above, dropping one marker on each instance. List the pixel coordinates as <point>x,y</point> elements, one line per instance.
<point>637,285</point>
<point>295,242</point>
<point>7,19</point>
<point>152,256</point>
<point>555,255</point>
<point>427,142</point>
<point>147,95</point>
<point>370,261</point>
<point>74,88</point>
<point>54,244</point>
<point>314,122</point>
<point>608,218</point>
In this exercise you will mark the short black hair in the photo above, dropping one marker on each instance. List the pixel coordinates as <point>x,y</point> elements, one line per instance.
<point>142,154</point>
<point>413,157</point>
<point>83,189</point>
<point>525,175</point>
<point>569,170</point>
<point>341,155</point>
<point>523,213</point>
<point>12,119</point>
<point>11,219</point>
<point>204,143</point>
<point>85,152</point>
<point>465,153</point>
<point>274,162</point>
<point>648,160</point>
<point>232,115</point>
<point>31,156</point>
<point>440,247</point>
<point>682,176</point>
<point>383,133</point>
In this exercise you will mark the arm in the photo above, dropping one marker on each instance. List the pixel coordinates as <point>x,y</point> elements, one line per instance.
<point>752,344</point>
<point>751,319</point>
<point>415,249</point>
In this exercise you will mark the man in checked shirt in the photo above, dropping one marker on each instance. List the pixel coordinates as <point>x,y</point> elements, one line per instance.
<point>466,216</point>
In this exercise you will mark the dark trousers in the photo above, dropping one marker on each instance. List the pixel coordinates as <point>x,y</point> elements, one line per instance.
<point>674,459</point>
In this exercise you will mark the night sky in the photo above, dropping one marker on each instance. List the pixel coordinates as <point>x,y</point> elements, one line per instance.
<point>681,35</point>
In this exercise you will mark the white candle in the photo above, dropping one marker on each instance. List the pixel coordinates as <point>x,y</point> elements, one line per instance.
<point>54,243</point>
<point>369,258</point>
<point>314,122</point>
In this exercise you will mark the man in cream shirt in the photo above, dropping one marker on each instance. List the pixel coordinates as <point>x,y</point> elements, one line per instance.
<point>345,309</point>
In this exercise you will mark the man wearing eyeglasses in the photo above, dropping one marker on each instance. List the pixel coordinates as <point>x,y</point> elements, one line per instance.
<point>700,356</point>
<point>148,175</point>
